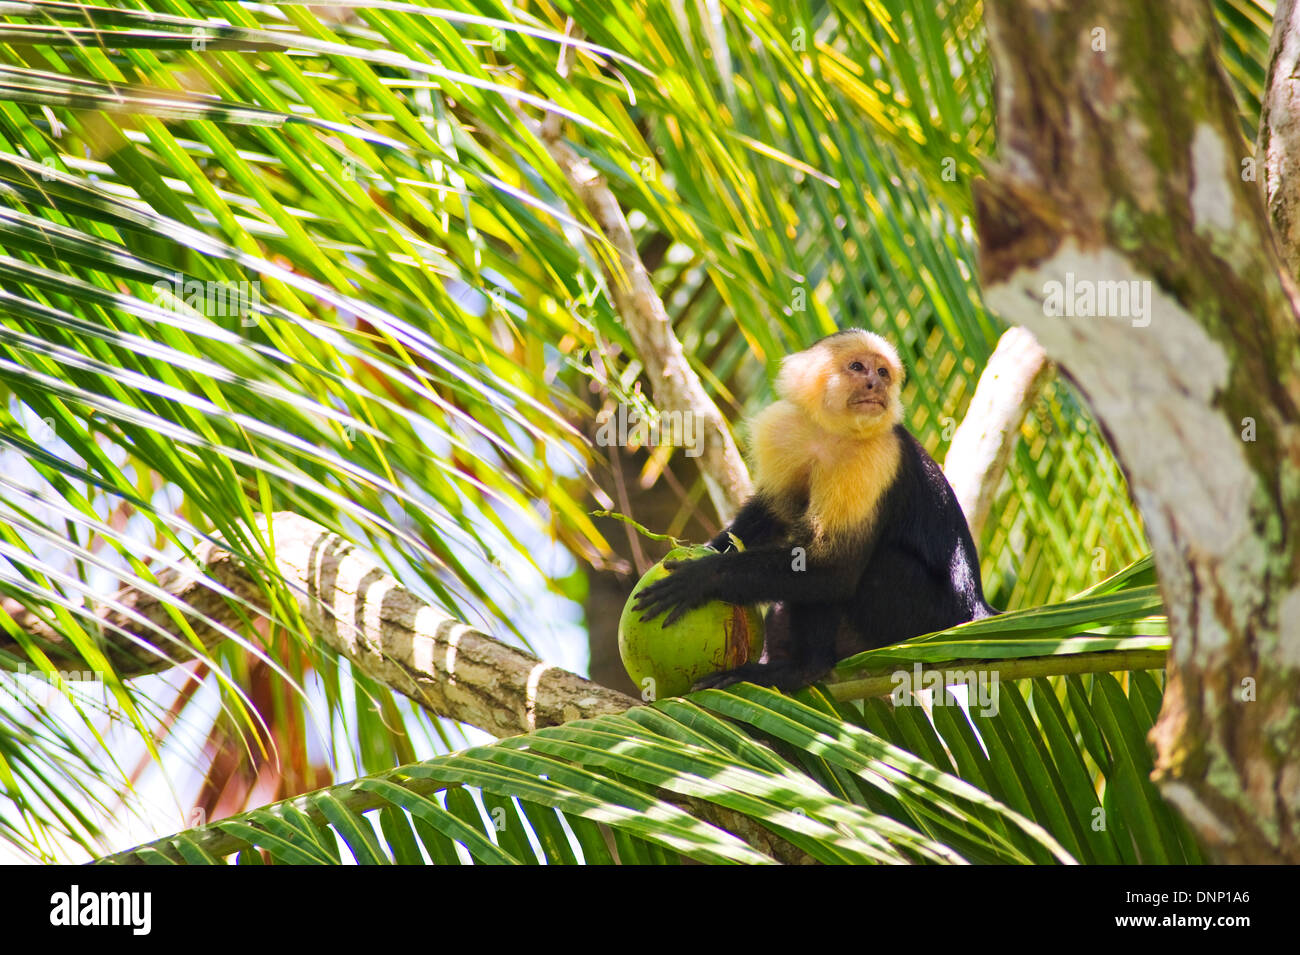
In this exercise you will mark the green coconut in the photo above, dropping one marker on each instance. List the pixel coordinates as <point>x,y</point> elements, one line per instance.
<point>718,636</point>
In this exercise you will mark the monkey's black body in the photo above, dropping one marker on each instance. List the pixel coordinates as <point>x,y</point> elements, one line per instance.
<point>914,571</point>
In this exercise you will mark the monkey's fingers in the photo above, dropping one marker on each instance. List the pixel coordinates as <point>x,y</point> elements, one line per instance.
<point>653,601</point>
<point>672,607</point>
<point>649,611</point>
<point>676,614</point>
<point>667,595</point>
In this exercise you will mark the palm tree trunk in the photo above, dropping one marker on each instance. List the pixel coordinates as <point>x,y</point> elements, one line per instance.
<point>1119,228</point>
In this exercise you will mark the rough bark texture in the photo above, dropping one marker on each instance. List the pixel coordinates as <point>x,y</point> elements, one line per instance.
<point>1121,161</point>
<point>353,606</point>
<point>977,459</point>
<point>1277,151</point>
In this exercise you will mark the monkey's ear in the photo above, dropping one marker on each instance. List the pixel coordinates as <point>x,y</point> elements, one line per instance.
<point>801,377</point>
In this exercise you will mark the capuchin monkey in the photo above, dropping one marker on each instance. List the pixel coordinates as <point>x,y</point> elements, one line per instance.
<point>853,532</point>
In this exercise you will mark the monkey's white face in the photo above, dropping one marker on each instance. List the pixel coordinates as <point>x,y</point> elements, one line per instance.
<point>866,382</point>
<point>849,383</point>
<point>862,387</point>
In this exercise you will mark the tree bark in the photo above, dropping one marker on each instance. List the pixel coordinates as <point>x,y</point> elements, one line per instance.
<point>977,459</point>
<point>351,604</point>
<point>1277,149</point>
<point>1121,162</point>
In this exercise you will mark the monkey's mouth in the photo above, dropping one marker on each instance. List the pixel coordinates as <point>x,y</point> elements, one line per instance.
<point>869,400</point>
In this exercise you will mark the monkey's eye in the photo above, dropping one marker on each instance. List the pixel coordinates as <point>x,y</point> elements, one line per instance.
<point>884,372</point>
<point>857,366</point>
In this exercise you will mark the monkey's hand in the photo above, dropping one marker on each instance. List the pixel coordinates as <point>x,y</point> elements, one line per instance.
<point>689,584</point>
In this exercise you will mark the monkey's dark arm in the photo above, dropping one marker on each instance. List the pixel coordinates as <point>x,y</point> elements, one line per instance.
<point>756,524</point>
<point>762,575</point>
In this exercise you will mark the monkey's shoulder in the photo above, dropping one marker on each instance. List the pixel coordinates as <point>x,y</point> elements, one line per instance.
<point>922,478</point>
<point>924,516</point>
